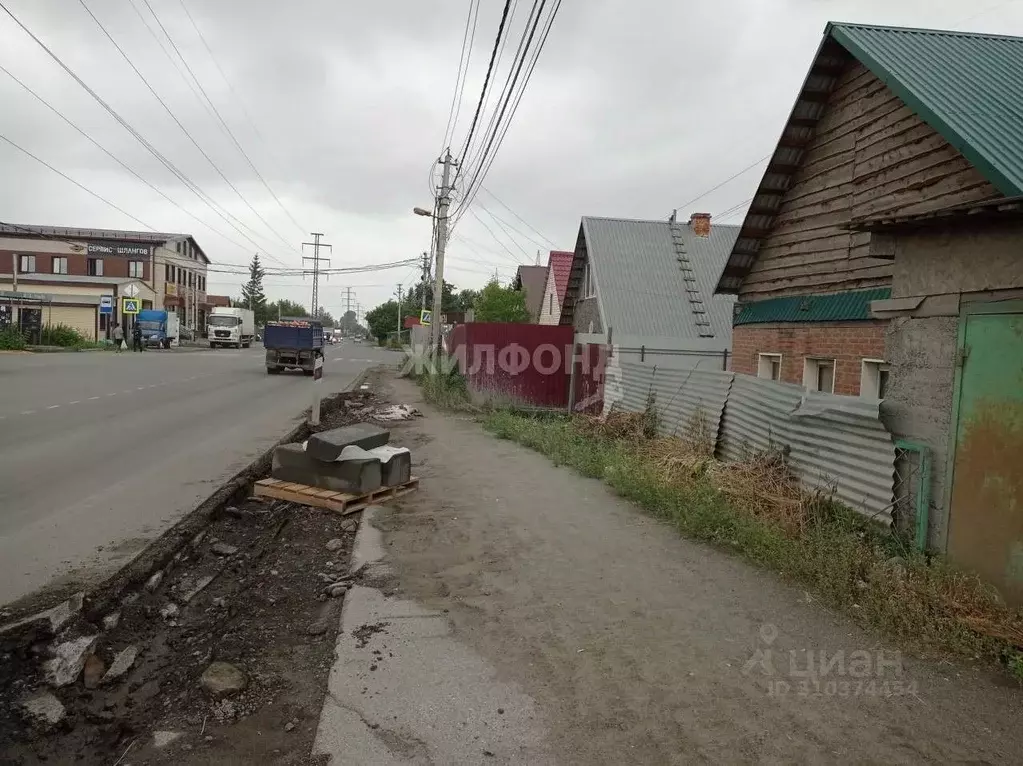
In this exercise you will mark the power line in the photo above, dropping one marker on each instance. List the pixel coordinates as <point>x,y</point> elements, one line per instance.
<point>504,227</point>
<point>84,188</point>
<point>727,180</point>
<point>482,171</point>
<point>498,241</point>
<point>519,53</point>
<point>116,159</point>
<point>733,210</point>
<point>507,225</point>
<point>486,81</point>
<point>178,122</point>
<point>547,240</point>
<point>223,122</point>
<point>460,75</point>
<point>189,184</point>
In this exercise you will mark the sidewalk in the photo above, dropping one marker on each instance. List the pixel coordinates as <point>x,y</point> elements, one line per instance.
<point>526,615</point>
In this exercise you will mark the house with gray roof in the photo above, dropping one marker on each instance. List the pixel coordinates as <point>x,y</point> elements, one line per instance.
<point>650,284</point>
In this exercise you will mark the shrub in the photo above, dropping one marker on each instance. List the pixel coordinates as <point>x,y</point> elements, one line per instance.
<point>62,335</point>
<point>11,340</point>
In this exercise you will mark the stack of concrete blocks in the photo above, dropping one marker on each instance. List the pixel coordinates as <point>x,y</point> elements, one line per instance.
<point>355,459</point>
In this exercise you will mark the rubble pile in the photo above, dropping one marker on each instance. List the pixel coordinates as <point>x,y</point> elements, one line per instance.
<point>355,459</point>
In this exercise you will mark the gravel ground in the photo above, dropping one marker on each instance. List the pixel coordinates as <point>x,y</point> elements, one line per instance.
<point>257,614</point>
<point>640,647</point>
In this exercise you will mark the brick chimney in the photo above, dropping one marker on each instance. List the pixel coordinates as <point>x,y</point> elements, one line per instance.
<point>700,224</point>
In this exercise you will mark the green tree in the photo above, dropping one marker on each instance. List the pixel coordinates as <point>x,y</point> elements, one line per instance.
<point>326,318</point>
<point>466,299</point>
<point>449,299</point>
<point>350,323</point>
<point>286,308</point>
<point>500,304</point>
<point>253,296</point>
<point>383,320</point>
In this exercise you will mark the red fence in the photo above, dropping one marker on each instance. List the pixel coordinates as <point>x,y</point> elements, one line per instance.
<point>525,363</point>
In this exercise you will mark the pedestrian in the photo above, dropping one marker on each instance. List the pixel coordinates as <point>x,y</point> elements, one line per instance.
<point>136,337</point>
<point>117,333</point>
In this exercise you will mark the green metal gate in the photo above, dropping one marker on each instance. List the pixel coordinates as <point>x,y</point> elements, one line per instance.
<point>986,456</point>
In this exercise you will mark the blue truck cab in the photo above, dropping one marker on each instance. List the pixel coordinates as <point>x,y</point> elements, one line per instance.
<point>159,328</point>
<point>293,344</point>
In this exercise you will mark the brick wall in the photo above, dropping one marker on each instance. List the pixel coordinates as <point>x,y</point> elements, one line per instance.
<point>848,343</point>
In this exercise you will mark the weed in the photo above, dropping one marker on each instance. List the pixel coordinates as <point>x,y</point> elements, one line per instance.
<point>11,340</point>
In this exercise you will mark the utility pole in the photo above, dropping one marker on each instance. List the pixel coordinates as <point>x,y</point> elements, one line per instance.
<point>399,313</point>
<point>426,281</point>
<point>315,271</point>
<point>443,203</point>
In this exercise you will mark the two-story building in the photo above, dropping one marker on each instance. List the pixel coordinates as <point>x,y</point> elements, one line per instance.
<point>53,275</point>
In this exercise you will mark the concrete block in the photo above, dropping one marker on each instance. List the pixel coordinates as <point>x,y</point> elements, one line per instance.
<point>395,464</point>
<point>358,475</point>
<point>327,445</point>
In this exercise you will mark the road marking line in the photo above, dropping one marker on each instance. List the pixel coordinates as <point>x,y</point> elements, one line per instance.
<point>29,412</point>
<point>53,406</point>
<point>140,388</point>
<point>113,394</point>
<point>77,401</point>
<point>93,398</point>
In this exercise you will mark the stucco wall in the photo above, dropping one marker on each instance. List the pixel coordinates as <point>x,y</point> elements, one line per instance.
<point>918,407</point>
<point>587,311</point>
<point>959,260</point>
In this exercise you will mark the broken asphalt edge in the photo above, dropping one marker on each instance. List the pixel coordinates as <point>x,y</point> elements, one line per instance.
<point>161,552</point>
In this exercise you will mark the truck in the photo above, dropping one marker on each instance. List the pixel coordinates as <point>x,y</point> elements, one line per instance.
<point>230,327</point>
<point>159,328</point>
<point>293,343</point>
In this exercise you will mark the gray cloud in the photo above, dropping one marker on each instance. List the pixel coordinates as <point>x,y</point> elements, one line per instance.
<point>634,109</point>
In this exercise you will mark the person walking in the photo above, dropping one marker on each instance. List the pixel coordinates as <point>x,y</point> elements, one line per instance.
<point>117,333</point>
<point>136,337</point>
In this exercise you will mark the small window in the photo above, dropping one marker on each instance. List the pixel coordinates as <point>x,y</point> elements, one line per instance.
<point>552,304</point>
<point>177,246</point>
<point>588,287</point>
<point>135,269</point>
<point>874,379</point>
<point>769,366</point>
<point>819,375</point>
<point>96,268</point>
<point>59,264</point>
<point>27,264</point>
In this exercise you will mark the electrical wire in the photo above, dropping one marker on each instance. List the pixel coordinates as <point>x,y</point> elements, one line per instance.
<point>116,159</point>
<point>505,226</point>
<point>733,210</point>
<point>460,75</point>
<point>727,180</point>
<point>81,186</point>
<point>486,80</point>
<point>201,195</point>
<point>482,170</point>
<point>184,130</point>
<point>519,54</point>
<point>490,231</point>
<point>547,240</point>
<point>223,122</point>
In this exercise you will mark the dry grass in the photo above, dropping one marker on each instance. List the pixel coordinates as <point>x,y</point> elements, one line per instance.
<point>615,426</point>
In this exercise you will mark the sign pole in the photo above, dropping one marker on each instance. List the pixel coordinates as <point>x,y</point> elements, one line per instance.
<point>314,413</point>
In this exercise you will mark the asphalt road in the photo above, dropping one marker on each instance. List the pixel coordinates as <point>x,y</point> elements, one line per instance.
<point>101,452</point>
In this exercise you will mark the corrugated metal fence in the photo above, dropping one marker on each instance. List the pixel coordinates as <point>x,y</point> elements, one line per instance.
<point>831,441</point>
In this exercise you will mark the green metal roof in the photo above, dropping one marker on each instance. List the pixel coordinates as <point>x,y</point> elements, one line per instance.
<point>838,307</point>
<point>968,87</point>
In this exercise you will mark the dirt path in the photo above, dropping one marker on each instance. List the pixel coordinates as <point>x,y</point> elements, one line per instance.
<point>641,647</point>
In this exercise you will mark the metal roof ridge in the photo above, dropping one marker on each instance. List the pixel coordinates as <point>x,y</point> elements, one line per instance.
<point>683,223</point>
<point>918,30</point>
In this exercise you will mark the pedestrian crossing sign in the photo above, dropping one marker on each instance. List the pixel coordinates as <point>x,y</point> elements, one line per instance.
<point>425,316</point>
<point>130,305</point>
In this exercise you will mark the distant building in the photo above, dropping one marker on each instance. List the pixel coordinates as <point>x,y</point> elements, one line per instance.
<point>73,269</point>
<point>531,280</point>
<point>559,266</point>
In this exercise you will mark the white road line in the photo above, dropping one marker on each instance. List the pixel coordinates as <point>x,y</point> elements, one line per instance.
<point>77,401</point>
<point>113,394</point>
<point>140,388</point>
<point>29,412</point>
<point>93,398</point>
<point>53,407</point>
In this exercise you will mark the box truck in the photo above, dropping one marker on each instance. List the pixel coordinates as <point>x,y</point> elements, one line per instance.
<point>230,327</point>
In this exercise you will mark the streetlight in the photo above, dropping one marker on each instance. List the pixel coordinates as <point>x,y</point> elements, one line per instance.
<point>421,211</point>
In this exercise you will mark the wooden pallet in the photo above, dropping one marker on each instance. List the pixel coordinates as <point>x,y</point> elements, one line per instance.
<point>339,502</point>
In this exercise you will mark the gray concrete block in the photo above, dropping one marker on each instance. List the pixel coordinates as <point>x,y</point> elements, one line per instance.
<point>358,476</point>
<point>395,465</point>
<point>327,445</point>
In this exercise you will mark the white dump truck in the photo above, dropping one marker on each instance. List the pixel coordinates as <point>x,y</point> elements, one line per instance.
<point>230,327</point>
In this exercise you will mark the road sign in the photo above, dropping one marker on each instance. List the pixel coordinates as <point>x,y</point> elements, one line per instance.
<point>131,305</point>
<point>131,290</point>
<point>106,304</point>
<point>425,317</point>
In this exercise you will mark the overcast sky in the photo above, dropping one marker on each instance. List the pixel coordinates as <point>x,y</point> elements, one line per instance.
<point>635,108</point>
